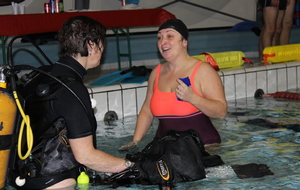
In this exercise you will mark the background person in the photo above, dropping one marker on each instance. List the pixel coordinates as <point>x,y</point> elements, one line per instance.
<point>287,22</point>
<point>273,14</point>
<point>203,99</point>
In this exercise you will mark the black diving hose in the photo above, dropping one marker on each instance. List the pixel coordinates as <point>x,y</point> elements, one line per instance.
<point>9,49</point>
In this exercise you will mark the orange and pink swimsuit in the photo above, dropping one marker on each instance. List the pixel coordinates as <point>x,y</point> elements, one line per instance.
<point>181,115</point>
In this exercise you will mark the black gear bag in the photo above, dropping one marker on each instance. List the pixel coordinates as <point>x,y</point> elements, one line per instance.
<point>175,157</point>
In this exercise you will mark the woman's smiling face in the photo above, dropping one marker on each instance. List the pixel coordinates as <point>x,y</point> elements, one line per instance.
<point>169,42</point>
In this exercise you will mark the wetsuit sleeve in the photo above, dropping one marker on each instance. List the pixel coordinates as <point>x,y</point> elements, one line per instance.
<point>80,121</point>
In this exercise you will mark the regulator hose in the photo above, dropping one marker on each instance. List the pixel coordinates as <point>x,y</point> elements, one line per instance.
<point>9,50</point>
<point>26,118</point>
<point>29,134</point>
<point>25,121</point>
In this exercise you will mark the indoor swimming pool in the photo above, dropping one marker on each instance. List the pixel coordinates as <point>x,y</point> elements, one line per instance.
<point>256,130</point>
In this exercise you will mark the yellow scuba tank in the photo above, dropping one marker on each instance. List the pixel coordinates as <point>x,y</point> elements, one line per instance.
<point>8,114</point>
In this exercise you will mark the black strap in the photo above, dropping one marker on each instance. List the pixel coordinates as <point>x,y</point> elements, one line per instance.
<point>45,181</point>
<point>8,141</point>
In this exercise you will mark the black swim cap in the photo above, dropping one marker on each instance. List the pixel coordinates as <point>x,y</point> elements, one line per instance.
<point>177,25</point>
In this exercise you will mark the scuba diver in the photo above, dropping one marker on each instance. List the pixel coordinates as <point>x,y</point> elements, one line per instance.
<point>62,118</point>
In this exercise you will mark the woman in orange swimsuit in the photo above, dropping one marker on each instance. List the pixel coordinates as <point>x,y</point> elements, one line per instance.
<point>204,98</point>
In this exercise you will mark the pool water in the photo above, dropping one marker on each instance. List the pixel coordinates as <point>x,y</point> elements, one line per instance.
<point>261,130</point>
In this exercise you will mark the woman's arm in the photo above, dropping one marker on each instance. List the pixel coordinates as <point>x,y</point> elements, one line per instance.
<point>145,116</point>
<point>143,124</point>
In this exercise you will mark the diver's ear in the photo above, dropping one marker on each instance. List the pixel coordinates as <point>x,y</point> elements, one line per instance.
<point>101,47</point>
<point>90,47</point>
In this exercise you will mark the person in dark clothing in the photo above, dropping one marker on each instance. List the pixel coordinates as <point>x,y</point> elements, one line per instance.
<point>82,41</point>
<point>275,17</point>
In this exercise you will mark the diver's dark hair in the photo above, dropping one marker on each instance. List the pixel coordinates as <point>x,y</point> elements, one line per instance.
<point>77,32</point>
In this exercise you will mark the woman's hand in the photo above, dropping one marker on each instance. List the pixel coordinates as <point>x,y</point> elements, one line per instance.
<point>129,146</point>
<point>211,98</point>
<point>183,91</point>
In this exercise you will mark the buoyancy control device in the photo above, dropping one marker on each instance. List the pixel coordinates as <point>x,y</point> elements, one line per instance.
<point>51,158</point>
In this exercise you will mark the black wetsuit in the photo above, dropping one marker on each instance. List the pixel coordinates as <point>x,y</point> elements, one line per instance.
<point>55,118</point>
<point>79,123</point>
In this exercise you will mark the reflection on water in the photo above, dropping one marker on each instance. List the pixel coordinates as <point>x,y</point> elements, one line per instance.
<point>263,131</point>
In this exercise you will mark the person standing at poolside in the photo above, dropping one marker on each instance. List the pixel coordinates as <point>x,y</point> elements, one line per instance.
<point>82,41</point>
<point>204,98</point>
<point>274,16</point>
<point>287,22</point>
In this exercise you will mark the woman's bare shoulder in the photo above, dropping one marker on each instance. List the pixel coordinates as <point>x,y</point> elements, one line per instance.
<point>206,67</point>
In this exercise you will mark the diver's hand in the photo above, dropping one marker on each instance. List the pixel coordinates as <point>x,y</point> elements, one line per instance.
<point>130,146</point>
<point>129,173</point>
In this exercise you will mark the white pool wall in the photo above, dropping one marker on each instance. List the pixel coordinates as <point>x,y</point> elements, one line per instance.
<point>127,99</point>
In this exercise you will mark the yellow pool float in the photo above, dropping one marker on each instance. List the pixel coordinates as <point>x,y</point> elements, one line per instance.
<point>225,59</point>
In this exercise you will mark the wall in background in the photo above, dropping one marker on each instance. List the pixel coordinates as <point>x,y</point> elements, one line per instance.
<point>143,47</point>
<point>193,15</point>
<point>35,6</point>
